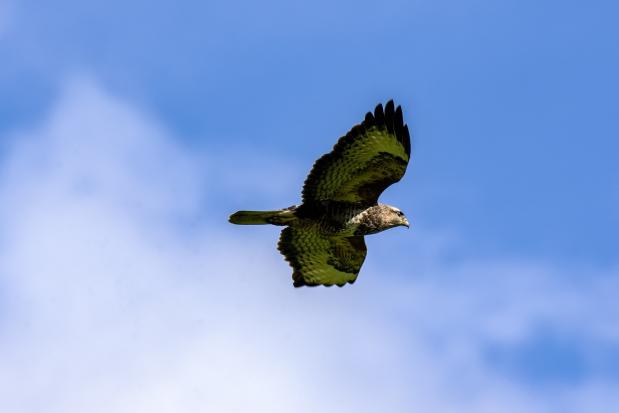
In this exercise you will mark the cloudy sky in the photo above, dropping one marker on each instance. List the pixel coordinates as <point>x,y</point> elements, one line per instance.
<point>130,131</point>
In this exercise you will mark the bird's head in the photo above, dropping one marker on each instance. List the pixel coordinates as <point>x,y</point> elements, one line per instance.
<point>395,217</point>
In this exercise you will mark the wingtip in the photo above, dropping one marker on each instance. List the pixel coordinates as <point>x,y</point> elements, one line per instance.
<point>389,116</point>
<point>399,117</point>
<point>379,114</point>
<point>407,140</point>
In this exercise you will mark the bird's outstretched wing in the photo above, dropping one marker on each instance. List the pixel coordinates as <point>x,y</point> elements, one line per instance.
<point>319,259</point>
<point>369,158</point>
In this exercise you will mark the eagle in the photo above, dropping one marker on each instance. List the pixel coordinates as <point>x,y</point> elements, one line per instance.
<point>324,236</point>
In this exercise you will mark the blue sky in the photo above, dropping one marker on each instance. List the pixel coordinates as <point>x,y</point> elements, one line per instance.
<point>512,102</point>
<point>128,133</point>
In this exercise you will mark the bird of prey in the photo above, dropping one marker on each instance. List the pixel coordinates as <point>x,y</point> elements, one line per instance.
<point>324,236</point>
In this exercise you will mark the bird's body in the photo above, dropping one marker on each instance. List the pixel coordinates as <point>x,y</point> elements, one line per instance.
<point>331,218</point>
<point>323,239</point>
<point>344,219</point>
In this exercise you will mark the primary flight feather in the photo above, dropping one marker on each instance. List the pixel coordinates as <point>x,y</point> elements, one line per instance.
<point>323,239</point>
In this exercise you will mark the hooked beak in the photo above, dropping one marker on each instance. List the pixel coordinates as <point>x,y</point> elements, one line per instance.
<point>406,223</point>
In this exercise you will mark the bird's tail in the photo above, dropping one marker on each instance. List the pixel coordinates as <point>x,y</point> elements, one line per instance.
<point>279,217</point>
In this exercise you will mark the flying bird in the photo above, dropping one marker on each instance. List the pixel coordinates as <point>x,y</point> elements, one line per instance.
<point>324,236</point>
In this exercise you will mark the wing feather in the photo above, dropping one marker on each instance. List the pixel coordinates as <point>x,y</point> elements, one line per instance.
<point>364,162</point>
<point>319,259</point>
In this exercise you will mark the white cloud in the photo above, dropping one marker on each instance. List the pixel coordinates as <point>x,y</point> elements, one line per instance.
<point>110,306</point>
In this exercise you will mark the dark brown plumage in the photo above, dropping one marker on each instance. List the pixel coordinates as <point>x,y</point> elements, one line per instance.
<point>323,241</point>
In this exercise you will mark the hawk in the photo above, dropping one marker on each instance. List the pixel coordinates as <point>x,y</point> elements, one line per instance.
<point>324,236</point>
